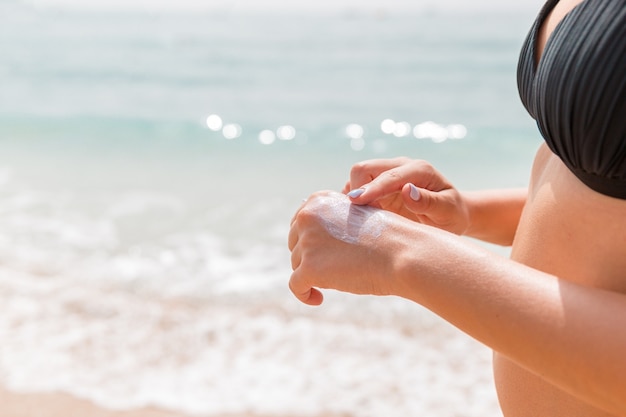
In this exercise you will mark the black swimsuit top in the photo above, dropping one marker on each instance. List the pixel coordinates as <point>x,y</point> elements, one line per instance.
<point>577,92</point>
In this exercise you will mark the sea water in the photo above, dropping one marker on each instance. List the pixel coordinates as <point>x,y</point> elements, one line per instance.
<point>150,163</point>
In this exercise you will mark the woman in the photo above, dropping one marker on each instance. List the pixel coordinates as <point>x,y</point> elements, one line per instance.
<point>555,313</point>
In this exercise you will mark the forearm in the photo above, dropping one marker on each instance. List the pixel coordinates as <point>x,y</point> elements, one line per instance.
<point>494,214</point>
<point>571,335</point>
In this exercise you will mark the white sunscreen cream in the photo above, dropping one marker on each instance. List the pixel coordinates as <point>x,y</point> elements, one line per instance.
<point>348,222</point>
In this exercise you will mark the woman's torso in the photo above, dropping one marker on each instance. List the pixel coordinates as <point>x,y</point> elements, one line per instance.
<point>570,231</point>
<point>576,234</point>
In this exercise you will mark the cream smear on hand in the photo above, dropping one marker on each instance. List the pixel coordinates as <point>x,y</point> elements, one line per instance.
<point>349,222</point>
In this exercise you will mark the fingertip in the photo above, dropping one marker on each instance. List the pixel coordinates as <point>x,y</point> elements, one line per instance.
<point>414,197</point>
<point>356,193</point>
<point>315,297</point>
<point>346,188</point>
<point>414,193</point>
<point>361,196</point>
<point>292,237</point>
<point>406,189</point>
<point>312,296</point>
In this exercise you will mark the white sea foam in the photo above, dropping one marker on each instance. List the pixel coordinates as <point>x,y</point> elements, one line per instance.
<point>234,356</point>
<point>190,323</point>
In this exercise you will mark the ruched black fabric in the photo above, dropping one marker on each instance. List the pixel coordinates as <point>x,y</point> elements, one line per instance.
<point>577,91</point>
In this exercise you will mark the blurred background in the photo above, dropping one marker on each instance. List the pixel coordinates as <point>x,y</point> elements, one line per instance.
<point>152,154</point>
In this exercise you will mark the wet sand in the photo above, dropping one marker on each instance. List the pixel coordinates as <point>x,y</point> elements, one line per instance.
<point>63,405</point>
<point>14,404</point>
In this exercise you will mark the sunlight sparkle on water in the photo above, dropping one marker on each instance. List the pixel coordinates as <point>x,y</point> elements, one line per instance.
<point>231,131</point>
<point>286,132</point>
<point>456,131</point>
<point>267,137</point>
<point>401,129</point>
<point>437,133</point>
<point>354,131</point>
<point>387,126</point>
<point>214,122</point>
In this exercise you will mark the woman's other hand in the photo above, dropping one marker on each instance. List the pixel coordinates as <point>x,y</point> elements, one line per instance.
<point>411,188</point>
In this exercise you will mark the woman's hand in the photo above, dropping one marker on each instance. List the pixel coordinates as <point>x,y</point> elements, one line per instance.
<point>412,188</point>
<point>339,245</point>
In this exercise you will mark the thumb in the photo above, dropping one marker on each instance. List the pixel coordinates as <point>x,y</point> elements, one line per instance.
<point>418,200</point>
<point>435,208</point>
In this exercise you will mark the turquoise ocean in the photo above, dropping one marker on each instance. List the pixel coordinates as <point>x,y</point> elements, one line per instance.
<point>150,163</point>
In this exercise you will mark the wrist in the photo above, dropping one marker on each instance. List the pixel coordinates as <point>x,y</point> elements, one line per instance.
<point>474,210</point>
<point>493,215</point>
<point>416,258</point>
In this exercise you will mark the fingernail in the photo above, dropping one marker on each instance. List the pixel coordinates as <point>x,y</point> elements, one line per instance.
<point>356,193</point>
<point>415,193</point>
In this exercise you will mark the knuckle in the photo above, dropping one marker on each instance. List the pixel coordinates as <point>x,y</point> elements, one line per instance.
<point>360,168</point>
<point>311,210</point>
<point>304,216</point>
<point>423,165</point>
<point>295,261</point>
<point>402,160</point>
<point>430,177</point>
<point>392,175</point>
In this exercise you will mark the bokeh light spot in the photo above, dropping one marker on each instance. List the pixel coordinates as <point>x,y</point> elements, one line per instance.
<point>231,131</point>
<point>214,122</point>
<point>286,132</point>
<point>267,137</point>
<point>456,131</point>
<point>424,130</point>
<point>439,135</point>
<point>387,126</point>
<point>354,131</point>
<point>401,129</point>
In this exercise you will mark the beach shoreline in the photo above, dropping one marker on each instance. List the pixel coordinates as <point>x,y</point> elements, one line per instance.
<point>59,404</point>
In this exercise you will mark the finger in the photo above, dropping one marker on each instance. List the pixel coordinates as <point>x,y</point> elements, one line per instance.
<point>418,200</point>
<point>364,172</point>
<point>296,258</point>
<point>346,188</point>
<point>386,183</point>
<point>293,218</point>
<point>306,294</point>
<point>433,208</point>
<point>292,239</point>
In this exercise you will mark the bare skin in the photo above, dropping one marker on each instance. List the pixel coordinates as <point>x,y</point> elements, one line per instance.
<point>554,314</point>
<point>593,253</point>
<point>584,255</point>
